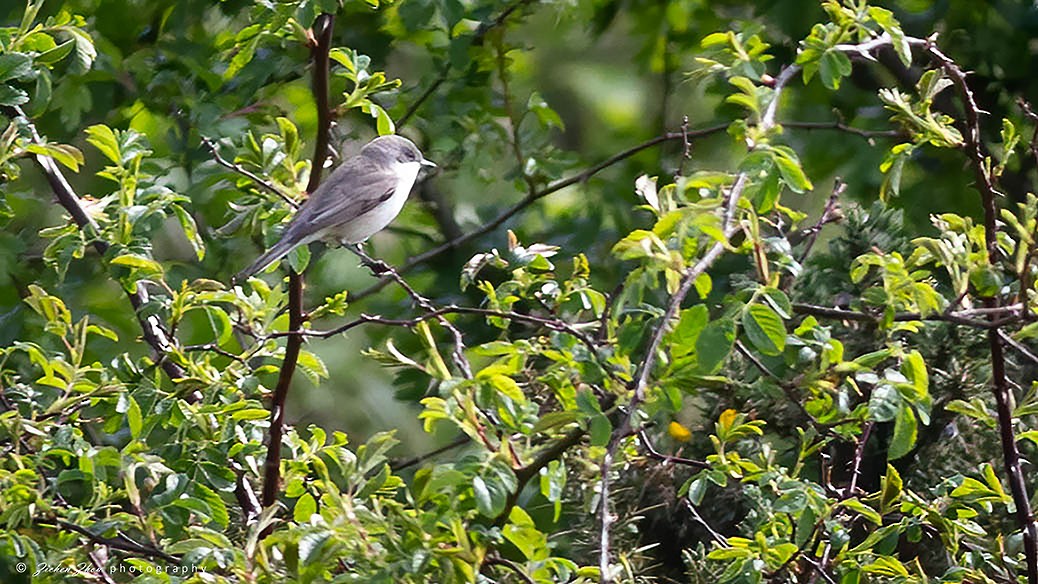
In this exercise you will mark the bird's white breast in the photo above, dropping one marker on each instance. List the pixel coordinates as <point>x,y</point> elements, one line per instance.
<point>375,220</point>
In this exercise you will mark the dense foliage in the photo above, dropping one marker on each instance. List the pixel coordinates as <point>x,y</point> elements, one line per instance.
<point>703,291</point>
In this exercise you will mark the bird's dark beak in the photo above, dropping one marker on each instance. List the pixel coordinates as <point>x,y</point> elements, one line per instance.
<point>428,163</point>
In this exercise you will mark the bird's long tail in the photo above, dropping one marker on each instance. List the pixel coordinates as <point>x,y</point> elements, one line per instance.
<point>273,254</point>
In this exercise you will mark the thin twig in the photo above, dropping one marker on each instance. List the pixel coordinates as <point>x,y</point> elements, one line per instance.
<point>477,39</point>
<point>213,347</point>
<point>99,567</point>
<point>409,462</point>
<point>720,539</point>
<point>859,455</point>
<point>838,188</point>
<point>657,455</point>
<point>247,174</point>
<point>379,267</point>
<point>839,125</point>
<point>1020,348</point>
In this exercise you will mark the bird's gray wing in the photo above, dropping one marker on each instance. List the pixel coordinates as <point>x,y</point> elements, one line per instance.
<point>355,188</point>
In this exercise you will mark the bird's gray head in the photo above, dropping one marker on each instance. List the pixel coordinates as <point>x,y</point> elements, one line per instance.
<point>392,150</point>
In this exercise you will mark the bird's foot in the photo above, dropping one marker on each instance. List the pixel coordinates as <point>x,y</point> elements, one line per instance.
<point>377,267</point>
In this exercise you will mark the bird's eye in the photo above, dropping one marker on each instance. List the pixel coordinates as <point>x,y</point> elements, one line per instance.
<point>408,156</point>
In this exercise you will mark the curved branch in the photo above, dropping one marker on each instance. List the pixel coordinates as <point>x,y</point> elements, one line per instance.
<point>152,328</point>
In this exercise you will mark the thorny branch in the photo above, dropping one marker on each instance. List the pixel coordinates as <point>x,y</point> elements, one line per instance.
<point>119,542</point>
<point>378,267</point>
<point>989,195</point>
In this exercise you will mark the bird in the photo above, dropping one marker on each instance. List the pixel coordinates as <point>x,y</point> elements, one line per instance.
<point>359,199</point>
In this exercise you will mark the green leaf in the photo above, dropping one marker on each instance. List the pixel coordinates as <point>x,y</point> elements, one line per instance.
<point>104,139</point>
<point>59,52</point>
<point>545,115</point>
<point>70,156</point>
<point>905,433</point>
<point>305,507</point>
<point>12,96</point>
<point>834,66</point>
<point>139,262</point>
<point>601,430</point>
<point>890,492</point>
<point>133,417</point>
<point>217,508</point>
<point>765,329</point>
<point>884,403</point>
<point>522,532</point>
<point>14,66</point>
<point>715,344</point>
<point>886,566</point>
<point>484,500</point>
<point>85,51</point>
<point>864,510</point>
<point>789,167</point>
<point>690,325</point>
<point>312,367</point>
<point>187,223</point>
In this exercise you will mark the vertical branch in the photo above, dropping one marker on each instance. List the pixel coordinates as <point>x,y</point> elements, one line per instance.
<point>1000,386</point>
<point>272,467</point>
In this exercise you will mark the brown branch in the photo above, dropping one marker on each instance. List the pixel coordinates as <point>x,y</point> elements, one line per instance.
<point>842,127</point>
<point>152,328</point>
<point>527,472</point>
<point>409,462</point>
<point>247,174</point>
<point>1008,315</point>
<point>989,195</point>
<point>379,267</point>
<point>120,542</point>
<point>272,467</point>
